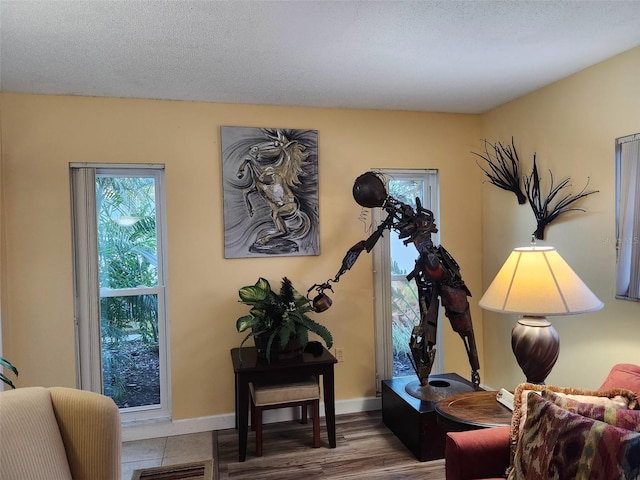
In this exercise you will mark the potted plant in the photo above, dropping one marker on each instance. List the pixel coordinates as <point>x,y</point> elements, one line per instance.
<point>276,319</point>
<point>3,378</point>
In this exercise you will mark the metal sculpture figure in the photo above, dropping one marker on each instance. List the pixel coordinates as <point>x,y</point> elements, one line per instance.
<point>275,167</point>
<point>436,274</point>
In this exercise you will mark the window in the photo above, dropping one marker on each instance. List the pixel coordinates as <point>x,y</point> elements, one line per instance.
<point>628,217</point>
<point>120,282</point>
<point>396,305</point>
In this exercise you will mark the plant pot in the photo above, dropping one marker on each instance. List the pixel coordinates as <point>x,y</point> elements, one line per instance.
<point>260,342</point>
<point>292,349</point>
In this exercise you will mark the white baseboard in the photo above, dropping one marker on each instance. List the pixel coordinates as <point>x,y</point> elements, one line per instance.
<point>142,431</point>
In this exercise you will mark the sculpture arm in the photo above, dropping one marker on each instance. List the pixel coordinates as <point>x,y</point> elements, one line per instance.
<point>350,259</point>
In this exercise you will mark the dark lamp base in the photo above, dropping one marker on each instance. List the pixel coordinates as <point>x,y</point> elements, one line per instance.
<point>536,346</point>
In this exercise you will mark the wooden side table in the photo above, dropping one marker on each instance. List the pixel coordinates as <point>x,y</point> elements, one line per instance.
<point>415,421</point>
<point>247,368</point>
<point>473,410</point>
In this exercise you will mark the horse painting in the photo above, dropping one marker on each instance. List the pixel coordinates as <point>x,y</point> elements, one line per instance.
<point>270,192</point>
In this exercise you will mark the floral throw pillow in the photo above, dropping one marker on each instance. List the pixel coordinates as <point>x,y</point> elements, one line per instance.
<point>557,444</point>
<point>617,398</point>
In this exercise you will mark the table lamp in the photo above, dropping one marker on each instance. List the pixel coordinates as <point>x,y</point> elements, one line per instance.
<point>536,282</point>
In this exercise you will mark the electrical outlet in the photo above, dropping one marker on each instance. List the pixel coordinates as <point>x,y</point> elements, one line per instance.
<point>339,354</point>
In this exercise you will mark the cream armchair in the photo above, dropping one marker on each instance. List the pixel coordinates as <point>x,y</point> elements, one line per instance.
<point>58,433</point>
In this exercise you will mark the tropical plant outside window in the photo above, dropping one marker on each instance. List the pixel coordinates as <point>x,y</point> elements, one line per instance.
<point>128,273</point>
<point>405,315</point>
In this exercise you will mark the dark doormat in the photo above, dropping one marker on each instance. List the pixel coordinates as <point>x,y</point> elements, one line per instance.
<point>185,471</point>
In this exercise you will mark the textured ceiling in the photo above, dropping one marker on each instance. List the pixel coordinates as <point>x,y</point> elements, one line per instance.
<point>448,56</point>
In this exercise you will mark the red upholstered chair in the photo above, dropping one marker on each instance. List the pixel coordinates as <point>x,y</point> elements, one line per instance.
<point>623,375</point>
<point>484,454</point>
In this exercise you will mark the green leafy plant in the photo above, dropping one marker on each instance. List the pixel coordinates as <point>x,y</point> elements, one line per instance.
<point>127,257</point>
<point>278,316</point>
<point>6,364</point>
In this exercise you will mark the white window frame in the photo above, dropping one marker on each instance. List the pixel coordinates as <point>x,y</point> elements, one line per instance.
<point>86,284</point>
<point>382,277</point>
<point>628,218</point>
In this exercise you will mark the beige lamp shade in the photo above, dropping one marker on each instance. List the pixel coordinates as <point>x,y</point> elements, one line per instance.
<point>537,281</point>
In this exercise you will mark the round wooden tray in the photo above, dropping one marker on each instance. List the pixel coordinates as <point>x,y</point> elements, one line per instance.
<point>480,409</point>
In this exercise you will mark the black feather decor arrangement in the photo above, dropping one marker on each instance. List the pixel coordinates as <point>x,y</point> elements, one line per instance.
<point>502,167</point>
<point>547,210</point>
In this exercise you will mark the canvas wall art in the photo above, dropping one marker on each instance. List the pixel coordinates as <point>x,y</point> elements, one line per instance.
<point>270,190</point>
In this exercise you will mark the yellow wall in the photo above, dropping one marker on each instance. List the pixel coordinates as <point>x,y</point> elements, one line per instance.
<point>571,125</point>
<point>41,135</point>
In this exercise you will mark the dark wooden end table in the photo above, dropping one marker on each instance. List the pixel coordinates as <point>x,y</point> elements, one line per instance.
<point>415,421</point>
<point>247,369</point>
<point>473,410</point>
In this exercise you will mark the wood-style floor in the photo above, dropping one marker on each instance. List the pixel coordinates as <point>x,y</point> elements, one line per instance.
<point>366,449</point>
